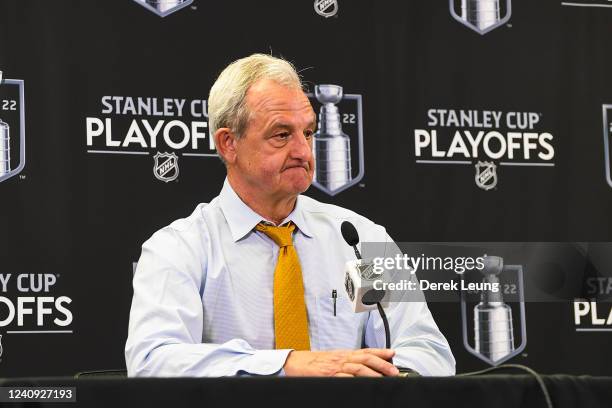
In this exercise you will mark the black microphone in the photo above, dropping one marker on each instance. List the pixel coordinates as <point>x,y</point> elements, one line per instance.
<point>350,235</point>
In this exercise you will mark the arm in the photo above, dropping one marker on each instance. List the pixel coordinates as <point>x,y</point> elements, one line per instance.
<point>166,318</point>
<point>415,337</point>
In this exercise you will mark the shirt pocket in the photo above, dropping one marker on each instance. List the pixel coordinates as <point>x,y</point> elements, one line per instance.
<point>342,331</point>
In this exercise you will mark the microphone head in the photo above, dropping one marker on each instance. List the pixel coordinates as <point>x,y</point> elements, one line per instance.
<point>349,233</point>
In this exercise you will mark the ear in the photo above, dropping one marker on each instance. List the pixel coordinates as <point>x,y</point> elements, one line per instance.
<point>225,142</point>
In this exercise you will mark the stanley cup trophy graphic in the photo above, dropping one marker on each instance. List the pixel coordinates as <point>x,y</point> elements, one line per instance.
<point>493,333</point>
<point>5,148</point>
<point>12,123</point>
<point>480,13</point>
<point>164,7</point>
<point>332,147</point>
<point>481,16</point>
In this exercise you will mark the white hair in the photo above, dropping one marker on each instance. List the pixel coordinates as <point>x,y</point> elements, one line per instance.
<point>226,101</point>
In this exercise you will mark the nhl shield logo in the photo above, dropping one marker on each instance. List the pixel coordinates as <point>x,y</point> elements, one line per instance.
<point>338,142</point>
<point>12,127</point>
<point>164,8</point>
<point>166,166</point>
<point>326,8</point>
<point>481,16</point>
<point>486,175</point>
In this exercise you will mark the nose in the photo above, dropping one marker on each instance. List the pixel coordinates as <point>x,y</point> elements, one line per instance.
<point>301,148</point>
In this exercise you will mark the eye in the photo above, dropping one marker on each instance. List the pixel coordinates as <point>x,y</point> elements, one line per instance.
<point>280,139</point>
<point>308,134</point>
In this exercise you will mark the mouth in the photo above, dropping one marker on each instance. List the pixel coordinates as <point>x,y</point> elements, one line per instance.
<point>297,166</point>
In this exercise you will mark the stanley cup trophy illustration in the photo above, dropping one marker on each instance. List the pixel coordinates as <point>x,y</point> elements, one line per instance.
<point>481,16</point>
<point>164,7</point>
<point>332,147</point>
<point>480,13</point>
<point>5,148</point>
<point>12,123</point>
<point>493,333</point>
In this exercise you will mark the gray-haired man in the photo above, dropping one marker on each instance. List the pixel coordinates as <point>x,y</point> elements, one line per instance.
<point>243,285</point>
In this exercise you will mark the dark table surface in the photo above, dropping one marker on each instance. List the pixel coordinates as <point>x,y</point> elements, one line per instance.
<point>470,392</point>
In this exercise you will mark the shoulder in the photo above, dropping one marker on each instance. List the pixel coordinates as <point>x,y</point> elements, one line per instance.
<point>318,208</point>
<point>190,230</point>
<point>333,215</point>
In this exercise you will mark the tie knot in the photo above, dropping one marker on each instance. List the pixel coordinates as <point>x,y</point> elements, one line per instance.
<point>280,235</point>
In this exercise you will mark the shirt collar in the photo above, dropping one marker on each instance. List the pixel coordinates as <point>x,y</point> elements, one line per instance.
<point>242,219</point>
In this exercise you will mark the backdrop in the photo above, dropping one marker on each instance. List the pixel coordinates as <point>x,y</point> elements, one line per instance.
<point>483,124</point>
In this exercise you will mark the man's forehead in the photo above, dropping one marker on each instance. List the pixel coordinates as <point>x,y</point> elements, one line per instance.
<point>268,96</point>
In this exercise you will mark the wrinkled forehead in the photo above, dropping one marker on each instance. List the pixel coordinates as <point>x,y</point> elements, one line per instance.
<point>268,97</point>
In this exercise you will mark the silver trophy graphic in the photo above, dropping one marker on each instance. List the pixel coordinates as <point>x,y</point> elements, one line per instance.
<point>164,7</point>
<point>5,148</point>
<point>332,147</point>
<point>480,13</point>
<point>12,93</point>
<point>493,333</point>
<point>481,16</point>
<point>607,134</point>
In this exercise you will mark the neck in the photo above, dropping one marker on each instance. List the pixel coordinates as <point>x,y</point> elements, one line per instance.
<point>270,207</point>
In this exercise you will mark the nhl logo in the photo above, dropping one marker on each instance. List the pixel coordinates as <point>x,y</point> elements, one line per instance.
<point>166,166</point>
<point>326,8</point>
<point>348,285</point>
<point>486,175</point>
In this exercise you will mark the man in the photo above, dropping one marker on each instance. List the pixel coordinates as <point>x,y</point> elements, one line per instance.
<point>243,285</point>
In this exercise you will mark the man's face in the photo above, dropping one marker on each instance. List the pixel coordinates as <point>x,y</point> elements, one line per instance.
<point>275,154</point>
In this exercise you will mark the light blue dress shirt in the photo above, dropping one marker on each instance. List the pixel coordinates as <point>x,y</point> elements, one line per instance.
<point>203,296</point>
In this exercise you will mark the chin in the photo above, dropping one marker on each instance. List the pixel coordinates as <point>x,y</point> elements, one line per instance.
<point>299,187</point>
<point>305,187</point>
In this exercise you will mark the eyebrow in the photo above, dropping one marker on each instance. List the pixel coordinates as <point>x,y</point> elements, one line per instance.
<point>282,125</point>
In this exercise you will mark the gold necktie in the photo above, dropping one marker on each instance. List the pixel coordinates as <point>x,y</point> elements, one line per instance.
<point>290,317</point>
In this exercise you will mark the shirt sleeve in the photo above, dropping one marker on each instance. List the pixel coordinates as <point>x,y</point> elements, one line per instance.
<point>415,337</point>
<point>166,318</point>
